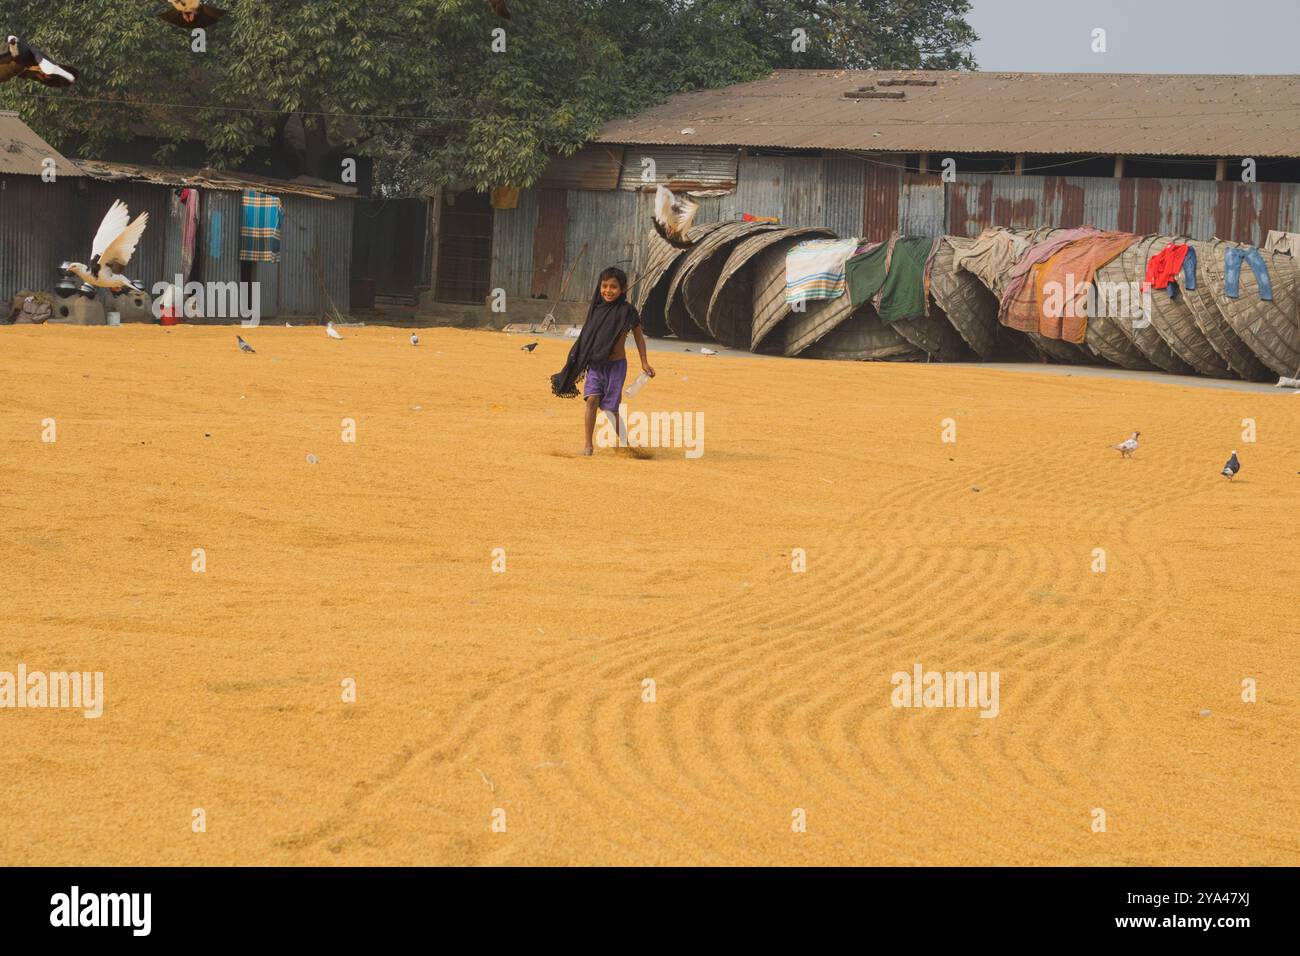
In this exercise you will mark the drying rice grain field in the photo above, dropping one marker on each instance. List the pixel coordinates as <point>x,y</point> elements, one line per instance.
<point>175,537</point>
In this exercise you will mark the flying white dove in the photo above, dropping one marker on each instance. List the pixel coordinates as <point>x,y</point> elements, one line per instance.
<point>112,249</point>
<point>1232,467</point>
<point>673,217</point>
<point>331,331</point>
<point>1128,446</point>
<point>415,339</point>
<point>707,351</point>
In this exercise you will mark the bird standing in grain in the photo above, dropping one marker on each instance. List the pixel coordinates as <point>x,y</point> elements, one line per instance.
<point>1128,446</point>
<point>1232,467</point>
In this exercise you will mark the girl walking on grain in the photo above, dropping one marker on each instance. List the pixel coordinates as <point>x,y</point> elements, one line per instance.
<point>599,353</point>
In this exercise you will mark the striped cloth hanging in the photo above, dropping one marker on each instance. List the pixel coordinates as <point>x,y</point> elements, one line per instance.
<point>259,235</point>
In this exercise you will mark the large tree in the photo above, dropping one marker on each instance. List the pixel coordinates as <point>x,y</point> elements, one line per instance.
<point>430,87</point>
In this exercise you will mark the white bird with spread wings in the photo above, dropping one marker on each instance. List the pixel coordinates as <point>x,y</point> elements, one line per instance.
<point>112,249</point>
<point>673,217</point>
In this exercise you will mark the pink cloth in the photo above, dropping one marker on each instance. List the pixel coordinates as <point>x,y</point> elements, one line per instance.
<point>189,228</point>
<point>1039,253</point>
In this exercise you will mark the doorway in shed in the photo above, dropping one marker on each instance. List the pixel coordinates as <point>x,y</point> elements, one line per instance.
<point>464,248</point>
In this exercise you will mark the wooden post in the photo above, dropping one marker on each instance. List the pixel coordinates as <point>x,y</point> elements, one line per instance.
<point>1220,169</point>
<point>1020,164</point>
<point>1119,167</point>
<point>435,228</point>
<point>923,164</point>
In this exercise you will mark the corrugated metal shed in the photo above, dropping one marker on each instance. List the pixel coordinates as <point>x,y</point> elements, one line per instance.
<point>214,179</point>
<point>512,246</point>
<point>604,222</point>
<point>22,152</point>
<point>30,251</point>
<point>315,244</point>
<point>805,192</point>
<point>1200,209</point>
<point>593,166</point>
<point>845,185</point>
<point>760,188</point>
<point>680,167</point>
<point>1081,113</point>
<point>218,253</point>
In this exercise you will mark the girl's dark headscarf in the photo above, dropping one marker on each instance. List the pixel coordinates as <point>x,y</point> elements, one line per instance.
<point>607,323</point>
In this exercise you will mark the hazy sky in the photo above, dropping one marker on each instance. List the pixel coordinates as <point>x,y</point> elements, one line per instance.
<point>1142,36</point>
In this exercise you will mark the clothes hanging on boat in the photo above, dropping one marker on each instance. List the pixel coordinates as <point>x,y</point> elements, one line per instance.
<point>1233,257</point>
<point>814,270</point>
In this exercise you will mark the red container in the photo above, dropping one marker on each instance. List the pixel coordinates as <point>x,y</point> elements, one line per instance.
<point>168,315</point>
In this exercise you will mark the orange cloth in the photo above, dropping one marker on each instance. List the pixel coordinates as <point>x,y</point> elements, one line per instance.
<point>1074,267</point>
<point>505,197</point>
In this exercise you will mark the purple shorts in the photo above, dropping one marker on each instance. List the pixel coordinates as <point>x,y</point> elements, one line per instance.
<point>606,380</point>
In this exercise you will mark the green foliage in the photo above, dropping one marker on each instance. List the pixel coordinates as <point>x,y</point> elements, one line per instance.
<point>417,84</point>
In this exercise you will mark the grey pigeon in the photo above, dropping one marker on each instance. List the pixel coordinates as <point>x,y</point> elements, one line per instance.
<point>529,347</point>
<point>1231,468</point>
<point>415,339</point>
<point>1128,446</point>
<point>243,346</point>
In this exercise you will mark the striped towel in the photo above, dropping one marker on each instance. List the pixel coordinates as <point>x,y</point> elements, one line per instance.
<point>259,235</point>
<point>815,269</point>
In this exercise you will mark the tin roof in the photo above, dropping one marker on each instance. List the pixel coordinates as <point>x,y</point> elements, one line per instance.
<point>23,152</point>
<point>214,179</point>
<point>932,111</point>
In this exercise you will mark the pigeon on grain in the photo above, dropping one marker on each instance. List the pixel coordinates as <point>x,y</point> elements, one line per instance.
<point>331,331</point>
<point>529,347</point>
<point>673,217</point>
<point>111,250</point>
<point>500,9</point>
<point>415,339</point>
<point>1128,446</point>
<point>243,346</point>
<point>189,14</point>
<point>1231,468</point>
<point>19,59</point>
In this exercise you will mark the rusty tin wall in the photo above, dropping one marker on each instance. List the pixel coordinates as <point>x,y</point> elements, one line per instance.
<point>1200,209</point>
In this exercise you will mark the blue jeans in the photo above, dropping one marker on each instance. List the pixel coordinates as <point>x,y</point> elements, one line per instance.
<point>1232,260</point>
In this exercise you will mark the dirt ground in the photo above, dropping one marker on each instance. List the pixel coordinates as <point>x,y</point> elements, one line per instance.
<point>486,698</point>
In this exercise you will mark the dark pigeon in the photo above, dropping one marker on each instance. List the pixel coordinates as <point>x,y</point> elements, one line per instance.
<point>1232,467</point>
